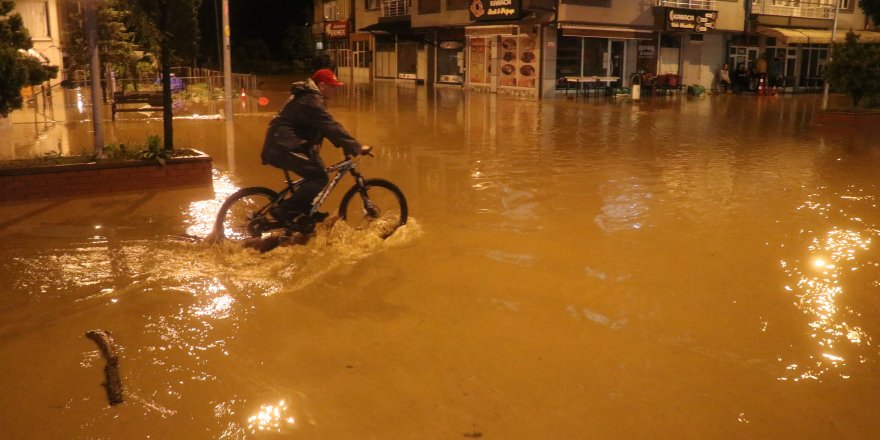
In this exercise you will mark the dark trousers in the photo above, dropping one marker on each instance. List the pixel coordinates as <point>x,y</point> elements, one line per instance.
<point>309,168</point>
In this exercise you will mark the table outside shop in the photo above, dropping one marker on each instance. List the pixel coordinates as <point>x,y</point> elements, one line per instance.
<point>597,82</point>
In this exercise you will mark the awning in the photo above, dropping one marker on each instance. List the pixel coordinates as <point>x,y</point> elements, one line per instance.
<point>503,29</point>
<point>605,31</point>
<point>815,36</point>
<point>389,27</point>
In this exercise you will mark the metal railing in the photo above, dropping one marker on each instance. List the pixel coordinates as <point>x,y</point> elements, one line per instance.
<point>700,5</point>
<point>811,9</point>
<point>394,8</point>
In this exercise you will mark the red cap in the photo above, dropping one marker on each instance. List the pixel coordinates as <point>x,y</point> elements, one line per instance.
<point>326,76</point>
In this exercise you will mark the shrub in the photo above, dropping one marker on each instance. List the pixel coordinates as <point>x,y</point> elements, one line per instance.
<point>854,69</point>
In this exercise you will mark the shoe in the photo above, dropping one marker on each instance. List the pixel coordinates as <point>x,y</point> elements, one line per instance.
<point>302,224</point>
<point>319,216</point>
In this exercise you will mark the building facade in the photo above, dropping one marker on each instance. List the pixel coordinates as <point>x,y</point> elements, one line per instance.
<point>42,18</point>
<point>530,46</point>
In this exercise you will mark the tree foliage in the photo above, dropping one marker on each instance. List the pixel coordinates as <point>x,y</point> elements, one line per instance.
<point>169,28</point>
<point>115,42</point>
<point>854,69</point>
<point>299,44</point>
<point>17,68</point>
<point>871,8</point>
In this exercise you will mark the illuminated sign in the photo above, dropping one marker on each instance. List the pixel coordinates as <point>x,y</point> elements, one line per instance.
<point>485,10</point>
<point>690,20</point>
<point>334,30</point>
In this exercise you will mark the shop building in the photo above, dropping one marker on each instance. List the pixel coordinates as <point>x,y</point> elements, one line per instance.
<point>529,47</point>
<point>799,34</point>
<point>490,45</point>
<point>619,38</point>
<point>348,52</point>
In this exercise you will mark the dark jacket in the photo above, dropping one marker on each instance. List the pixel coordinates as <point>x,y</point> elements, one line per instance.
<point>302,125</point>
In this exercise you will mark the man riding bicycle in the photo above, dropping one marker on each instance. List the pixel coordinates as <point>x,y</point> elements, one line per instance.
<point>293,142</point>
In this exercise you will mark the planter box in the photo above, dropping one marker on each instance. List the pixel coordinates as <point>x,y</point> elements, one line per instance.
<point>88,179</point>
<point>843,117</point>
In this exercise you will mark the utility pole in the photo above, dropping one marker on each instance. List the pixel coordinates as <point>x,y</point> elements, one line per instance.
<point>227,64</point>
<point>91,13</point>
<point>830,54</point>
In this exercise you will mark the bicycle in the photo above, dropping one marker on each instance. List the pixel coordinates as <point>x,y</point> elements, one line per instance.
<point>247,213</point>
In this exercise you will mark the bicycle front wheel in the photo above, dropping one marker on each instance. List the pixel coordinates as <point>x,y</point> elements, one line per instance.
<point>377,204</point>
<point>244,214</point>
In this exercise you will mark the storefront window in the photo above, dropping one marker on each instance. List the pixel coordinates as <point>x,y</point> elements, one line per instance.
<point>518,62</point>
<point>568,57</point>
<point>812,61</point>
<point>385,63</point>
<point>595,56</point>
<point>450,55</point>
<point>361,53</point>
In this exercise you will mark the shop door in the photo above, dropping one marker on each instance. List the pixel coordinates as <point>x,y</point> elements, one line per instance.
<point>693,61</point>
<point>422,64</point>
<point>407,59</point>
<point>617,59</point>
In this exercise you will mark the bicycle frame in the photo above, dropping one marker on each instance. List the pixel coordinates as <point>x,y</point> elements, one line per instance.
<point>341,169</point>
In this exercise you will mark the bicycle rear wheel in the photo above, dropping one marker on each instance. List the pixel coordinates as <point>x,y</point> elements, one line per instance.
<point>378,204</point>
<point>245,214</point>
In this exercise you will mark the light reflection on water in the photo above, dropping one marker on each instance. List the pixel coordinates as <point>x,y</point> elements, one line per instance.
<point>574,273</point>
<point>818,286</point>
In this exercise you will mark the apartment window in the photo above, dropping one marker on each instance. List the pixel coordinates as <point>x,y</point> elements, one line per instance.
<point>35,15</point>
<point>429,6</point>
<point>456,4</point>
<point>371,4</point>
<point>331,11</point>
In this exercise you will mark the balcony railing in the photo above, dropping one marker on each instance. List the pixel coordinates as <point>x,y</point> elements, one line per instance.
<point>700,5</point>
<point>811,9</point>
<point>394,8</point>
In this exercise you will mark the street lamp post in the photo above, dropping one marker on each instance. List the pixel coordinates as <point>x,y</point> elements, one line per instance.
<point>830,54</point>
<point>91,15</point>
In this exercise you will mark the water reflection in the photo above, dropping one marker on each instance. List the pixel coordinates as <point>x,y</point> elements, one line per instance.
<point>271,418</point>
<point>819,286</point>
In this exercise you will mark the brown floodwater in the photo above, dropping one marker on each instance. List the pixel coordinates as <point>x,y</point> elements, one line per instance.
<point>678,268</point>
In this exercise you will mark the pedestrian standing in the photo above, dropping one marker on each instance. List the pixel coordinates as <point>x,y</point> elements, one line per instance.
<point>724,79</point>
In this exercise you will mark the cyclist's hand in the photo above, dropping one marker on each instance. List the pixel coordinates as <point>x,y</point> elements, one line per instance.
<point>365,150</point>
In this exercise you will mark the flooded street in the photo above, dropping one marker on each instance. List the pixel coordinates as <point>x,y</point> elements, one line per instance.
<point>678,268</point>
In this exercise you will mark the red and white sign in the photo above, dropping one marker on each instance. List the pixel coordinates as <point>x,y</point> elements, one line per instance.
<point>334,30</point>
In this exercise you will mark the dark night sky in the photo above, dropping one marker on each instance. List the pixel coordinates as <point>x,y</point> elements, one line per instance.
<point>252,19</point>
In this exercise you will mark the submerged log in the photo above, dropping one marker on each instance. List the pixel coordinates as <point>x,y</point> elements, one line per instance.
<point>112,381</point>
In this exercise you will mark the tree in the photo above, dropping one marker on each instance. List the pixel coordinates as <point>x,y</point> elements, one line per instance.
<point>169,28</point>
<point>251,55</point>
<point>298,42</point>
<point>855,69</point>
<point>115,42</point>
<point>17,67</point>
<point>871,8</point>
